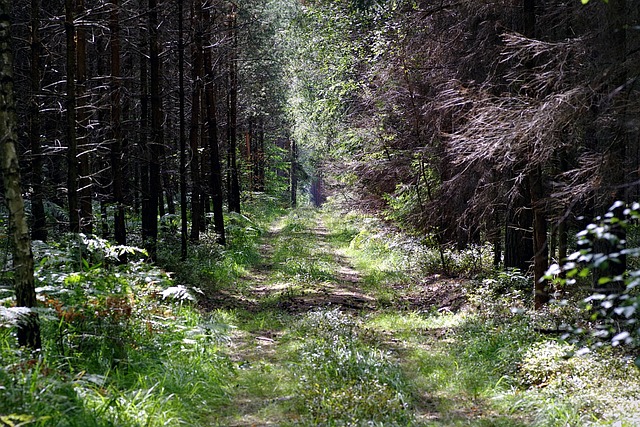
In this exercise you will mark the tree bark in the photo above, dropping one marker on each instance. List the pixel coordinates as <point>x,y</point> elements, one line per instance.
<point>120,232</point>
<point>215,177</point>
<point>82,137</point>
<point>150,217</point>
<point>194,134</point>
<point>182,136</point>
<point>143,175</point>
<point>293,175</point>
<point>614,147</point>
<point>29,326</point>
<point>536,193</point>
<point>496,237</point>
<point>260,158</point>
<point>540,249</point>
<point>72,143</point>
<point>234,184</point>
<point>518,243</point>
<point>39,228</point>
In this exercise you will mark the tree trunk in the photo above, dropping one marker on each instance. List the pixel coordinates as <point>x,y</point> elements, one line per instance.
<point>293,175</point>
<point>39,228</point>
<point>540,249</point>
<point>215,177</point>
<point>104,219</point>
<point>149,207</point>
<point>518,243</point>
<point>183,139</point>
<point>536,194</point>
<point>120,232</point>
<point>150,216</point>
<point>562,243</point>
<point>234,185</point>
<point>260,157</point>
<point>168,185</point>
<point>72,143</point>
<point>250,153</point>
<point>496,238</point>
<point>616,147</point>
<point>161,210</point>
<point>194,134</point>
<point>24,285</point>
<point>82,137</point>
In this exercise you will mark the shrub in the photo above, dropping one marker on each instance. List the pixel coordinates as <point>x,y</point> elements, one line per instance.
<point>122,345</point>
<point>614,312</point>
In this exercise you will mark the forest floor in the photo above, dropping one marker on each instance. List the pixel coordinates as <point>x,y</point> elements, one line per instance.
<point>325,334</point>
<point>305,318</point>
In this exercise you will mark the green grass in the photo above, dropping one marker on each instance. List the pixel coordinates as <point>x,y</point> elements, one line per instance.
<point>123,345</point>
<point>118,353</point>
<point>483,371</point>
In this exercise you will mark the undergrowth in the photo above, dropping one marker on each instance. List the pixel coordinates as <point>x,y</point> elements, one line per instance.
<point>210,266</point>
<point>344,381</point>
<point>123,345</point>
<point>126,345</point>
<point>496,362</point>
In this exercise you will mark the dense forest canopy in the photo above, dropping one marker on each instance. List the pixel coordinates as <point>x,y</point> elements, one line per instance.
<point>467,121</point>
<point>150,126</point>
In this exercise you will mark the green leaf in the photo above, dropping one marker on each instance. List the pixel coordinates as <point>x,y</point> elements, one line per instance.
<point>584,272</point>
<point>16,420</point>
<point>604,280</point>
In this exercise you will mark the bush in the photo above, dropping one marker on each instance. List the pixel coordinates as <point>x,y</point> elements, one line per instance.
<point>614,312</point>
<point>122,345</point>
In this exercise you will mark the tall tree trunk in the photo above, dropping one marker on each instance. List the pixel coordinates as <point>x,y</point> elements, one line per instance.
<point>24,285</point>
<point>194,134</point>
<point>161,210</point>
<point>250,153</point>
<point>120,231</point>
<point>72,143</point>
<point>496,238</point>
<point>536,192</point>
<point>103,175</point>
<point>168,185</point>
<point>260,157</point>
<point>215,177</point>
<point>518,243</point>
<point>563,243</point>
<point>619,141</point>
<point>156,141</point>
<point>104,219</point>
<point>234,184</point>
<point>148,208</point>
<point>84,157</point>
<point>183,138</point>
<point>540,249</point>
<point>129,164</point>
<point>293,175</point>
<point>39,228</point>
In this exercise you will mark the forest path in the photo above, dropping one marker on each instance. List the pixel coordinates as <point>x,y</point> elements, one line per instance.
<point>319,340</point>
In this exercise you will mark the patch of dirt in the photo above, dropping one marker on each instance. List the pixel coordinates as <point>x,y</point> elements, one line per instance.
<point>222,299</point>
<point>250,347</point>
<point>438,293</point>
<point>347,301</point>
